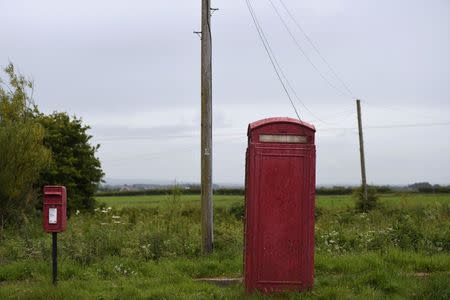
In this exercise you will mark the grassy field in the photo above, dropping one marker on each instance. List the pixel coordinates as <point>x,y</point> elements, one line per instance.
<point>220,201</point>
<point>148,248</point>
<point>225,201</point>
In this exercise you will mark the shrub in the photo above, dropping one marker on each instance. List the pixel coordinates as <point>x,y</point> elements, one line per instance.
<point>74,163</point>
<point>23,155</point>
<point>237,210</point>
<point>372,198</point>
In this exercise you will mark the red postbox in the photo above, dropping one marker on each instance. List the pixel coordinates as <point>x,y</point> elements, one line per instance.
<point>279,205</point>
<point>55,208</point>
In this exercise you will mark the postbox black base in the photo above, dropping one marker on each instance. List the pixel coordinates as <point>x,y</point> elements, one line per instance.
<point>55,256</point>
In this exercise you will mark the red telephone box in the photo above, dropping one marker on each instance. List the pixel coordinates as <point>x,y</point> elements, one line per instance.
<point>55,208</point>
<point>279,205</point>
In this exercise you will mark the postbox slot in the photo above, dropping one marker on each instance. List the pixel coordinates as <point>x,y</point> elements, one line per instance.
<point>53,199</point>
<point>52,196</point>
<point>278,138</point>
<point>53,193</point>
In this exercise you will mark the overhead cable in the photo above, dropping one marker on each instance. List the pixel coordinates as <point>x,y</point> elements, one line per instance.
<point>303,52</point>
<point>316,49</point>
<point>275,65</point>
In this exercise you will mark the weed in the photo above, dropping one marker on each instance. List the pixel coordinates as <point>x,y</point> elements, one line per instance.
<point>366,205</point>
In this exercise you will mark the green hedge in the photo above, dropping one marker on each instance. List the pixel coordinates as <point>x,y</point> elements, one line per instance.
<point>337,190</point>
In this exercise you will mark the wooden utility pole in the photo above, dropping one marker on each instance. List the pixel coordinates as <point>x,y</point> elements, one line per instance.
<point>206,130</point>
<point>361,152</point>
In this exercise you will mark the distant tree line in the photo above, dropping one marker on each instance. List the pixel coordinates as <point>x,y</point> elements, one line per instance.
<point>342,190</point>
<point>428,188</point>
<point>330,191</point>
<point>167,191</point>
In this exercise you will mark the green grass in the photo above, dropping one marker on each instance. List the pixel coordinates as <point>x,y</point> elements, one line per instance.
<point>148,247</point>
<point>159,200</point>
<point>349,276</point>
<point>226,201</point>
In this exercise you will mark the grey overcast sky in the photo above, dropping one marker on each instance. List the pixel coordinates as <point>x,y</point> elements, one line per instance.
<point>131,70</point>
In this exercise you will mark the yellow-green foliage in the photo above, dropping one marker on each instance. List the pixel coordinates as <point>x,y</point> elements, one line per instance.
<point>22,153</point>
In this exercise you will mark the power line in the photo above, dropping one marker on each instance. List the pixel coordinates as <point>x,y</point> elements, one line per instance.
<point>270,53</point>
<point>316,49</point>
<point>278,66</point>
<point>319,53</point>
<point>303,52</point>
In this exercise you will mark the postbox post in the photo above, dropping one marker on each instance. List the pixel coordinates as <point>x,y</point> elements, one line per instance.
<point>54,220</point>
<point>279,206</point>
<point>55,257</point>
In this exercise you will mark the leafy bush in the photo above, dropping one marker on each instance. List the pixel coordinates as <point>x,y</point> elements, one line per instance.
<point>237,210</point>
<point>361,204</point>
<point>74,163</point>
<point>22,153</point>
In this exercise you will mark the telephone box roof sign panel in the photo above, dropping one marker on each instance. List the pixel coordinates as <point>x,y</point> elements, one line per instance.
<point>281,130</point>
